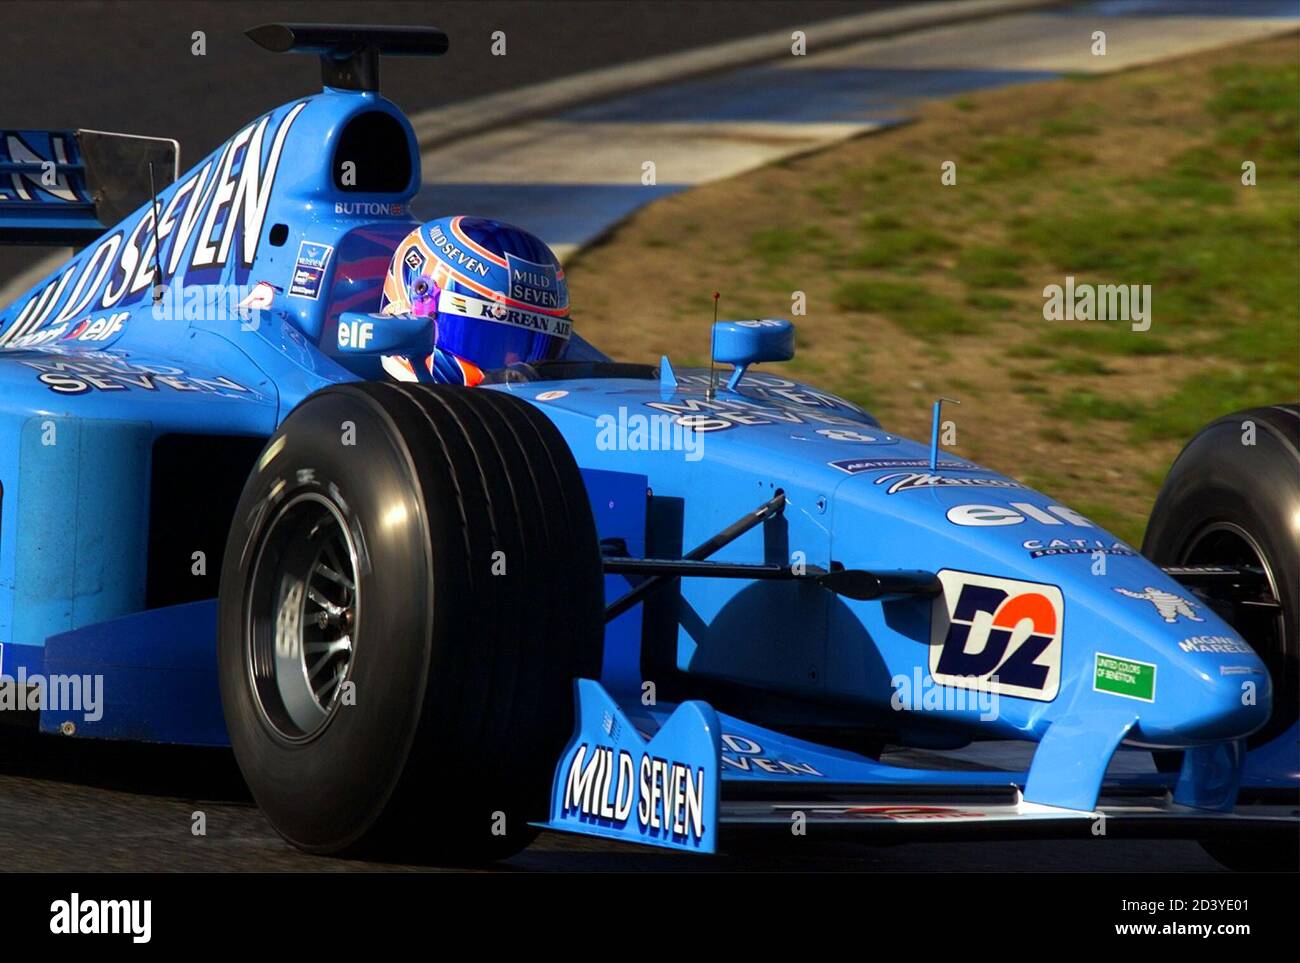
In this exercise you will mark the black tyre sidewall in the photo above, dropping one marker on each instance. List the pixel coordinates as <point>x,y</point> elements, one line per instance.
<point>327,793</point>
<point>463,670</point>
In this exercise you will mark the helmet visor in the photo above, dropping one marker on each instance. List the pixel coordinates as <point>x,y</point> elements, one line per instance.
<point>494,335</point>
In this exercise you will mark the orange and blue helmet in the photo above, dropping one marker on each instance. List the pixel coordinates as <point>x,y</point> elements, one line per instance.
<point>495,293</point>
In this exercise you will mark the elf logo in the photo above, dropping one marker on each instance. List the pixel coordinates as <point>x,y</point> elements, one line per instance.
<point>995,516</point>
<point>98,329</point>
<point>356,335</point>
<point>997,635</point>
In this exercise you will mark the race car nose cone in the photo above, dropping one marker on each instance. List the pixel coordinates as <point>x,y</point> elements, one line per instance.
<point>1210,699</point>
<point>1244,704</point>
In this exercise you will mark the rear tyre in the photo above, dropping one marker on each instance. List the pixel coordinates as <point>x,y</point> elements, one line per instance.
<point>411,584</point>
<point>1225,502</point>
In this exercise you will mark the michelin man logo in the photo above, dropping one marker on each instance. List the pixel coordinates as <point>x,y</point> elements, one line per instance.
<point>1168,605</point>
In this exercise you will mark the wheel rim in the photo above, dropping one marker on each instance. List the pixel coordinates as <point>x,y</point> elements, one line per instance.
<point>302,617</point>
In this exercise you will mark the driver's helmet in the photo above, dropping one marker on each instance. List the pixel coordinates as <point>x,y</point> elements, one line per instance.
<point>494,293</point>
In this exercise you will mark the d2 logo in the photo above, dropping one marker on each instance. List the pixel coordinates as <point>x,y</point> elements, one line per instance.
<point>997,635</point>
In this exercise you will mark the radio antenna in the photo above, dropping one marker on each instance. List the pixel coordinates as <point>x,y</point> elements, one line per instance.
<point>934,430</point>
<point>713,386</point>
<point>157,254</point>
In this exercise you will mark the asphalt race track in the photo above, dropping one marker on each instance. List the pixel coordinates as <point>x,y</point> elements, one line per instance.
<point>67,805</point>
<point>129,66</point>
<point>79,806</point>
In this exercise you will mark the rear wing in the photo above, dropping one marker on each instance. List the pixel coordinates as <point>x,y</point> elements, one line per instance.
<point>66,187</point>
<point>349,52</point>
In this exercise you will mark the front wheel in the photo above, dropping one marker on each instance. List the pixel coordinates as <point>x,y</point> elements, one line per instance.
<point>1232,498</point>
<point>396,660</point>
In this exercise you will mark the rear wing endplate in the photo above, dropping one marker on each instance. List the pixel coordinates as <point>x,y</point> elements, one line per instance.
<point>66,187</point>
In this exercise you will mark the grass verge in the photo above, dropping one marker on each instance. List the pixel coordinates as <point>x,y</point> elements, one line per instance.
<point>916,289</point>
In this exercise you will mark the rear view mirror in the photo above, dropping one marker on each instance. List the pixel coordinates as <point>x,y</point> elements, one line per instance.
<point>377,334</point>
<point>742,343</point>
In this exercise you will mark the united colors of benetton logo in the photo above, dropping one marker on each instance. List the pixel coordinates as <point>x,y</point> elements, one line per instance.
<point>997,635</point>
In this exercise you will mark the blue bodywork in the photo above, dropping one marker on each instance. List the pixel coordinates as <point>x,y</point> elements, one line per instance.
<point>1049,629</point>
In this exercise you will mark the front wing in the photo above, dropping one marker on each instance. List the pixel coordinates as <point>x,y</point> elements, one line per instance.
<point>689,778</point>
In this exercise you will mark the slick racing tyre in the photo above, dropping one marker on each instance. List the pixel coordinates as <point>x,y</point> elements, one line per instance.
<point>1235,504</point>
<point>411,584</point>
<point>1225,502</point>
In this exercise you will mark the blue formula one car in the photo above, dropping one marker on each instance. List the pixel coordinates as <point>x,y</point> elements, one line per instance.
<point>666,607</point>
